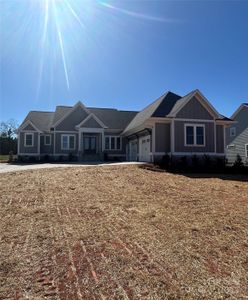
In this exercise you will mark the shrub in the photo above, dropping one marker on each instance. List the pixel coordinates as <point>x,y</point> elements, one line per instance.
<point>207,162</point>
<point>165,161</point>
<point>70,157</point>
<point>61,158</point>
<point>238,162</point>
<point>183,163</point>
<point>11,156</point>
<point>195,161</point>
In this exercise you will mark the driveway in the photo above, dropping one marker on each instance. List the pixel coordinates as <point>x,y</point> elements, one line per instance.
<point>5,167</point>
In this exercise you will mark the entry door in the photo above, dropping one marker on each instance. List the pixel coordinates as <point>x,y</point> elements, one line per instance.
<point>145,149</point>
<point>90,144</point>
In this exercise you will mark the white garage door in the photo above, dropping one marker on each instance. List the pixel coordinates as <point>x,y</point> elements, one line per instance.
<point>133,150</point>
<point>144,149</point>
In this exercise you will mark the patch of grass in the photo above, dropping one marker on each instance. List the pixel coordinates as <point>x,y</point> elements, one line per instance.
<point>122,232</point>
<point>4,157</point>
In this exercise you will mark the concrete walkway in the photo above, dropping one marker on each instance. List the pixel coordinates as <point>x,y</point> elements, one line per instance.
<point>5,167</point>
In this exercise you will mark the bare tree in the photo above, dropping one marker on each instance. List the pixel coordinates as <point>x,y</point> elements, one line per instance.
<point>9,129</point>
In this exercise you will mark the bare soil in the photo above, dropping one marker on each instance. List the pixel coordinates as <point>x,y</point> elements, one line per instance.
<point>122,232</point>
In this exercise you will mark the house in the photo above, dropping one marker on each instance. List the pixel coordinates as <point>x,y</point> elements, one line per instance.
<point>237,136</point>
<point>172,125</point>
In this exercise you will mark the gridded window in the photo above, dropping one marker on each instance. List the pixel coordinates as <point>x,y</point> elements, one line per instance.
<point>189,135</point>
<point>194,135</point>
<point>29,140</point>
<point>112,143</point>
<point>107,143</point>
<point>47,140</point>
<point>67,142</point>
<point>200,135</point>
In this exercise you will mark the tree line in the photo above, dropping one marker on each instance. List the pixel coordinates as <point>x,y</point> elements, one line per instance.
<point>8,137</point>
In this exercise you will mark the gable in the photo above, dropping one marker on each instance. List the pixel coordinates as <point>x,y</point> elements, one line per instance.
<point>72,119</point>
<point>194,110</point>
<point>91,123</point>
<point>29,127</point>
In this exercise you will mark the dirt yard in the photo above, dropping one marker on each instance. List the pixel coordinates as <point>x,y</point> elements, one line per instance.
<point>122,232</point>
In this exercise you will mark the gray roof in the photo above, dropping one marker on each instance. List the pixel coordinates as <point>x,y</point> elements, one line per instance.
<point>60,112</point>
<point>164,106</point>
<point>41,119</point>
<point>159,108</point>
<point>180,103</point>
<point>112,118</point>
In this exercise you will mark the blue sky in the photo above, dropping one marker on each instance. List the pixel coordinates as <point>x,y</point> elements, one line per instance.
<point>121,54</point>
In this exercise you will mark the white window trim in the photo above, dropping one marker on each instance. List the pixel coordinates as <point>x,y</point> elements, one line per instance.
<point>68,137</point>
<point>195,137</point>
<point>232,133</point>
<point>115,148</point>
<point>246,150</point>
<point>28,133</point>
<point>50,140</point>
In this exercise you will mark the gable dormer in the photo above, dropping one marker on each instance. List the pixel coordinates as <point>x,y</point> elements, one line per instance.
<point>75,116</point>
<point>91,122</point>
<point>195,106</point>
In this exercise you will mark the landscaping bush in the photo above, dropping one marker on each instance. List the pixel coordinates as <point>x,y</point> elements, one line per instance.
<point>11,156</point>
<point>238,162</point>
<point>165,161</point>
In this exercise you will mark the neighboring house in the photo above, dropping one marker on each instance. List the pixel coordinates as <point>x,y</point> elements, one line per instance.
<point>237,136</point>
<point>172,125</point>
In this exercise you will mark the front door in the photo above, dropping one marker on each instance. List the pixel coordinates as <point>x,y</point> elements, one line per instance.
<point>90,144</point>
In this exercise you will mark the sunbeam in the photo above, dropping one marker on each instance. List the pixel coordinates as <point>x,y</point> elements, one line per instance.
<point>61,44</point>
<point>74,13</point>
<point>43,41</point>
<point>135,14</point>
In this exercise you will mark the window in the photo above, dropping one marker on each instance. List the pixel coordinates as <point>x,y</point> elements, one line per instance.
<point>29,140</point>
<point>233,131</point>
<point>107,143</point>
<point>246,150</point>
<point>194,135</point>
<point>47,140</point>
<point>67,142</point>
<point>112,143</point>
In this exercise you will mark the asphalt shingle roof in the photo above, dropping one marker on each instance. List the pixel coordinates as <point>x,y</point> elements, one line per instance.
<point>112,118</point>
<point>159,108</point>
<point>166,105</point>
<point>41,119</point>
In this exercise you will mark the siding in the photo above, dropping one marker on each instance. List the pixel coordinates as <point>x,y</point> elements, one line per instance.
<point>239,148</point>
<point>241,125</point>
<point>179,138</point>
<point>162,137</point>
<point>240,139</point>
<point>220,139</point>
<point>194,110</point>
<point>28,150</point>
<point>29,127</point>
<point>76,117</point>
<point>91,123</point>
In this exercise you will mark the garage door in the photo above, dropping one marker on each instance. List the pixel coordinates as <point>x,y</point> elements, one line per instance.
<point>144,149</point>
<point>133,150</point>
